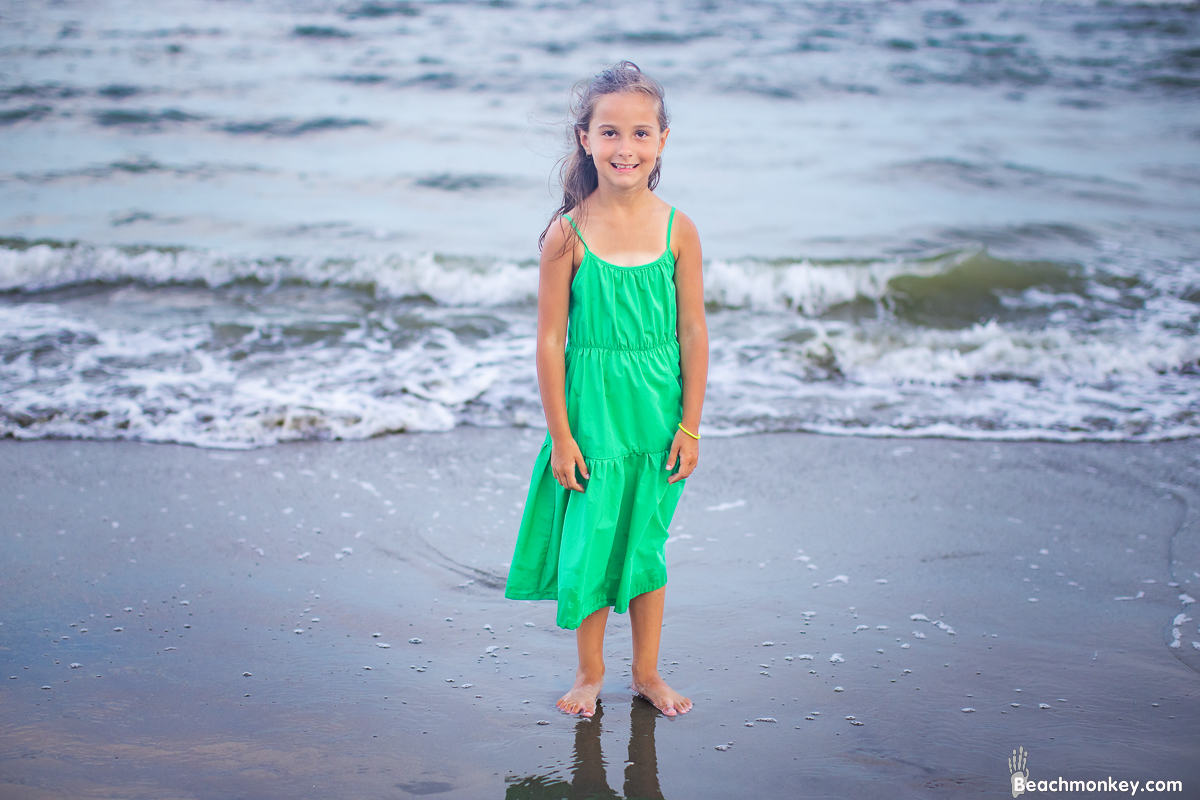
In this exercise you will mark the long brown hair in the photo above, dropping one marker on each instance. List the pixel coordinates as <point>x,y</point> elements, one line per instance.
<point>576,170</point>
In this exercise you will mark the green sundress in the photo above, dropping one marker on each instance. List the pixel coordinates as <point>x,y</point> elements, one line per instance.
<point>604,546</point>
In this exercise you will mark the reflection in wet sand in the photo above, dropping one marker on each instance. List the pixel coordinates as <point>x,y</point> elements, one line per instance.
<point>589,780</point>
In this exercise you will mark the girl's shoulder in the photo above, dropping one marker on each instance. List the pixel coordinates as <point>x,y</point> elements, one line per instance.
<point>681,220</point>
<point>561,241</point>
<point>684,234</point>
<point>572,220</point>
<point>569,223</point>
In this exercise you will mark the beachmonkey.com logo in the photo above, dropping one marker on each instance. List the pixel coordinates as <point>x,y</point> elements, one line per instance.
<point>1021,783</point>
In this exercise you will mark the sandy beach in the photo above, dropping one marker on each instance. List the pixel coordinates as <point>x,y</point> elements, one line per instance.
<point>327,620</point>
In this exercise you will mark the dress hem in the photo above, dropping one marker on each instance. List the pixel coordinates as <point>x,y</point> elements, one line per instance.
<point>594,605</point>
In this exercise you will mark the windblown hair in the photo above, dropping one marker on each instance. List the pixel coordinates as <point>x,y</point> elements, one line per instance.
<point>576,170</point>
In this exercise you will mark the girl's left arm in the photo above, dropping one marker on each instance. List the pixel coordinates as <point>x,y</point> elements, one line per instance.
<point>692,332</point>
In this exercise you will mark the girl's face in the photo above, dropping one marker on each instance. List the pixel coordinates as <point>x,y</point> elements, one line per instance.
<point>624,139</point>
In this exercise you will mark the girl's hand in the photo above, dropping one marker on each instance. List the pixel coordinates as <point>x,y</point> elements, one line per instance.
<point>565,457</point>
<point>687,451</point>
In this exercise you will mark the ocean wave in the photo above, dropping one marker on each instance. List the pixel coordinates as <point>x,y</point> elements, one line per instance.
<point>44,265</point>
<point>810,287</point>
<point>247,378</point>
<point>988,380</point>
<point>66,376</point>
<point>181,345</point>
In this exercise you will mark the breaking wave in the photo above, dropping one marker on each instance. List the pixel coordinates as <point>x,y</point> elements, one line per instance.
<point>181,345</point>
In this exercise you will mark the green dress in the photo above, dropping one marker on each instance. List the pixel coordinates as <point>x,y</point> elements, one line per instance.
<point>604,546</point>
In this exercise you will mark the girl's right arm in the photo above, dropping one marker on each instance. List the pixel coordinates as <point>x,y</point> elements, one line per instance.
<point>554,299</point>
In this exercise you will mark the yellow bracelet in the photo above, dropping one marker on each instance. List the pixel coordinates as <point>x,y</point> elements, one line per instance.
<point>695,436</point>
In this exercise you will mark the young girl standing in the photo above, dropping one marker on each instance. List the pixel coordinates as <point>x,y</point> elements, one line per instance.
<point>622,361</point>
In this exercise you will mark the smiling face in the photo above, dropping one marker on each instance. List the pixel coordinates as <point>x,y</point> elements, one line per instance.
<point>624,139</point>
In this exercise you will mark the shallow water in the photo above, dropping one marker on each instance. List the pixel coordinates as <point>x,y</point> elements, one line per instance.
<point>238,224</point>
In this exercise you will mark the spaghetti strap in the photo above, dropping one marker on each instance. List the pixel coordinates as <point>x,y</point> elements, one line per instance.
<point>670,222</point>
<point>580,235</point>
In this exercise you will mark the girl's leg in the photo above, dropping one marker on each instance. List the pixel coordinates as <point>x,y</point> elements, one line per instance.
<point>645,617</point>
<point>589,676</point>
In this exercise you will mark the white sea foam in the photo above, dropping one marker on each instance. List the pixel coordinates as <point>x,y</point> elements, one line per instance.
<point>804,286</point>
<point>167,386</point>
<point>727,506</point>
<point>332,349</point>
<point>457,282</point>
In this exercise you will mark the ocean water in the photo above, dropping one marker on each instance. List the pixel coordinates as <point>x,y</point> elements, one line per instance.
<point>233,224</point>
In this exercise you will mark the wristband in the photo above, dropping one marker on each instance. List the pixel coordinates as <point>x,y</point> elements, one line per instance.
<point>695,436</point>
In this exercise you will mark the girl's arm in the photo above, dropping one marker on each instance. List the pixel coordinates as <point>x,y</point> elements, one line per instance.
<point>692,332</point>
<point>554,299</point>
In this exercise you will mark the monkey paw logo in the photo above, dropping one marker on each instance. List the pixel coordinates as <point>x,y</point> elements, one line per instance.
<point>1018,772</point>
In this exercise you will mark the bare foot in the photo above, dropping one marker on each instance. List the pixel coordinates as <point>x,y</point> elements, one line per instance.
<point>662,696</point>
<point>581,699</point>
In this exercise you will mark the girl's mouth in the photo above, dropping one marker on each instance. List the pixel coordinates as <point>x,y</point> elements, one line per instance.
<point>623,167</point>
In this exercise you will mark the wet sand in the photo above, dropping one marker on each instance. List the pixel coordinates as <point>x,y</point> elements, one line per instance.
<point>834,605</point>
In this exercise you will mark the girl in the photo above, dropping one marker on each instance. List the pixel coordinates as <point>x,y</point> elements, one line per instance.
<point>623,395</point>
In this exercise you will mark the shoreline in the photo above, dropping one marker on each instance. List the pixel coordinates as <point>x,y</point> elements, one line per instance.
<point>395,535</point>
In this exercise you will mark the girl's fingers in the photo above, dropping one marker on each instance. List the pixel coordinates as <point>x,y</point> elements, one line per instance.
<point>687,463</point>
<point>566,475</point>
<point>674,454</point>
<point>565,469</point>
